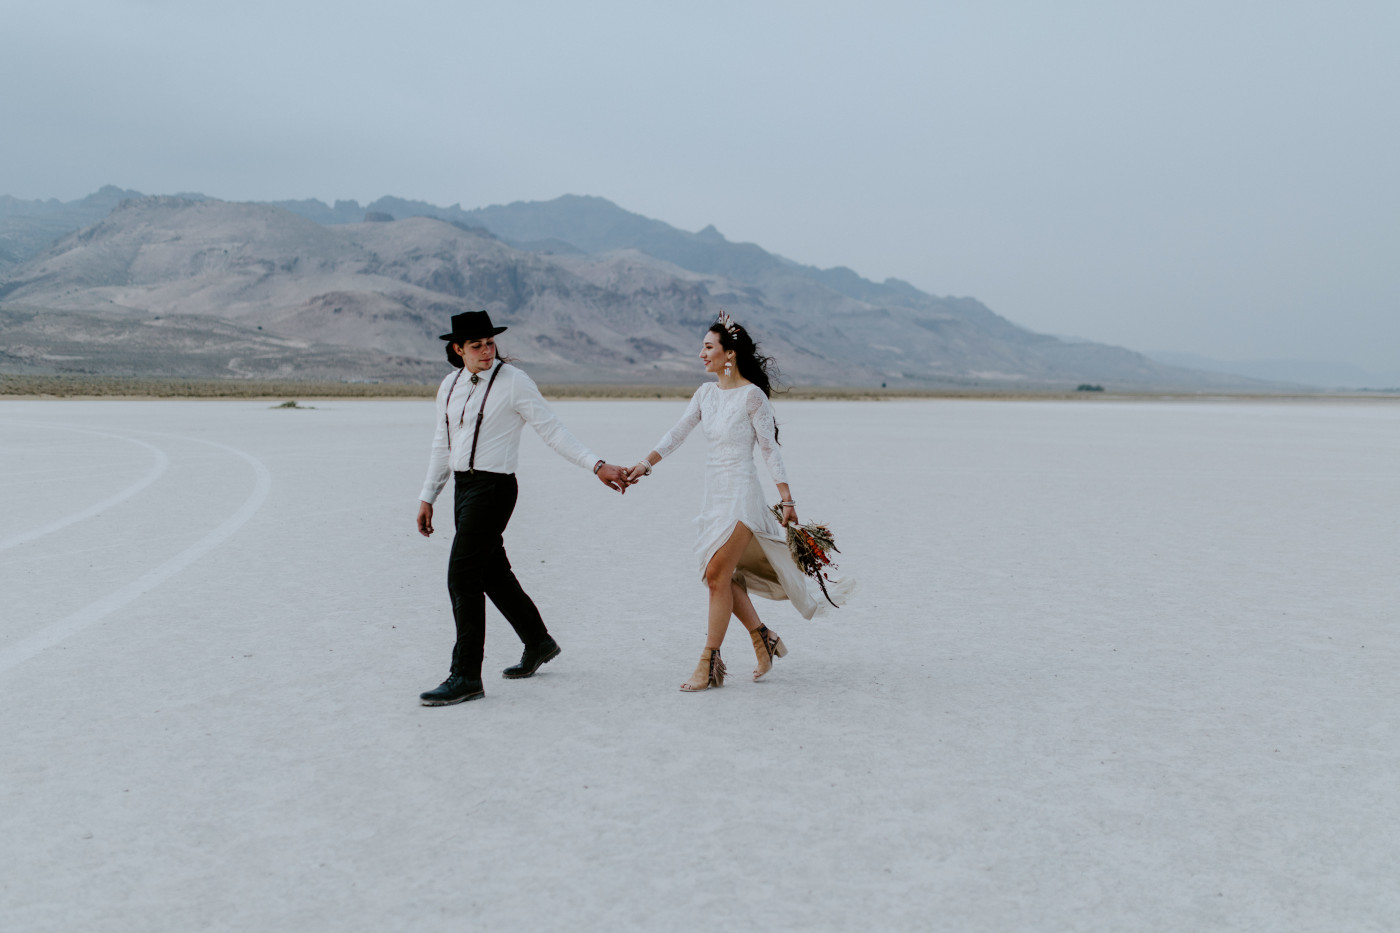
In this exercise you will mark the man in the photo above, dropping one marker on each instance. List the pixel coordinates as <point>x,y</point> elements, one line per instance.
<point>481,409</point>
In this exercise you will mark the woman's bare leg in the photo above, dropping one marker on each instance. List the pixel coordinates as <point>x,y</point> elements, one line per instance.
<point>743,607</point>
<point>719,577</point>
<point>766,643</point>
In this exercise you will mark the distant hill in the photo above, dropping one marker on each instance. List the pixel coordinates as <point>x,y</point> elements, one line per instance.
<point>1304,373</point>
<point>27,228</point>
<point>591,292</point>
<point>574,223</point>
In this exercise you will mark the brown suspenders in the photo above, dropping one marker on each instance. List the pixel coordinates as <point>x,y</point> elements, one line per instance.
<point>480,413</point>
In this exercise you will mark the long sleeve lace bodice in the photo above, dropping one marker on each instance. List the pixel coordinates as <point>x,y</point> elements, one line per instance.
<point>765,429</point>
<point>734,421</point>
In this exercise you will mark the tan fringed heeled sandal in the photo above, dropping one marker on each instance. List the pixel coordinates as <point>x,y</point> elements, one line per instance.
<point>766,646</point>
<point>708,673</point>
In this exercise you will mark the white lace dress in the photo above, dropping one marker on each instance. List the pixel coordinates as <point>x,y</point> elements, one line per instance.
<point>734,421</point>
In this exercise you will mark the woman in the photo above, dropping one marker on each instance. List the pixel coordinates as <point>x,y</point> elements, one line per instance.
<point>741,548</point>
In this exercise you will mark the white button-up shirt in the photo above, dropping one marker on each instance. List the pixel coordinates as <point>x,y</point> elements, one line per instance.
<point>514,402</point>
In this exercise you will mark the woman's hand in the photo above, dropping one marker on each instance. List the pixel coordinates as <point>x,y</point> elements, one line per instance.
<point>640,469</point>
<point>789,505</point>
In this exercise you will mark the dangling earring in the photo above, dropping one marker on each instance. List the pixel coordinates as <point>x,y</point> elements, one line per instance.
<point>728,369</point>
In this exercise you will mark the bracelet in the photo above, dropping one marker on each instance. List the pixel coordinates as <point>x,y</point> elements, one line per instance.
<point>645,465</point>
<point>598,466</point>
<point>787,502</point>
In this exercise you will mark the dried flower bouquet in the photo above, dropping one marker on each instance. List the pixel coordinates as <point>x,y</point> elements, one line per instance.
<point>811,547</point>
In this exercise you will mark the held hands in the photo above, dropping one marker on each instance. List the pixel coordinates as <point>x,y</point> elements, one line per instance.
<point>613,477</point>
<point>619,478</point>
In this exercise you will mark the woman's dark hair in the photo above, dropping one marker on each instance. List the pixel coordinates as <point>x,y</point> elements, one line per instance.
<point>761,370</point>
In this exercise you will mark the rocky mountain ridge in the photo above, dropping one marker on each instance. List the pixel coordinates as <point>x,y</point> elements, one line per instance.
<point>591,293</point>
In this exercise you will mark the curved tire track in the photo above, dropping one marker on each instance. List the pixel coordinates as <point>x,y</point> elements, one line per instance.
<point>55,632</point>
<point>161,465</point>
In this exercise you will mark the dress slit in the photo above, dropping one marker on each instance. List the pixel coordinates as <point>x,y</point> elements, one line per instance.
<point>734,422</point>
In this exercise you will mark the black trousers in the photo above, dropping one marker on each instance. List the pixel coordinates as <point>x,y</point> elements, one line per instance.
<point>478,567</point>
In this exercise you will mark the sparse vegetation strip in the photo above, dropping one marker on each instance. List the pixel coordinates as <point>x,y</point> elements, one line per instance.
<point>89,386</point>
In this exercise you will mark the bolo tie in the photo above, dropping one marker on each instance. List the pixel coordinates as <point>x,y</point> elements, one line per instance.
<point>480,412</point>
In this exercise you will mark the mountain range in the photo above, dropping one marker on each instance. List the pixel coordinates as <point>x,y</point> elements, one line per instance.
<point>120,283</point>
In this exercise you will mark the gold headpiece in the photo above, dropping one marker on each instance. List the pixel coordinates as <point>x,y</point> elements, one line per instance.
<point>728,323</point>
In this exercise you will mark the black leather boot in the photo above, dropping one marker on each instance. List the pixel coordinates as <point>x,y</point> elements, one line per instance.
<point>531,660</point>
<point>455,689</point>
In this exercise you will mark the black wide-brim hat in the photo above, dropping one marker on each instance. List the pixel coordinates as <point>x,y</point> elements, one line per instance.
<point>471,325</point>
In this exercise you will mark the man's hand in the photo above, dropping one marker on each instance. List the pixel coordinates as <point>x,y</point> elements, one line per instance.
<point>613,477</point>
<point>425,519</point>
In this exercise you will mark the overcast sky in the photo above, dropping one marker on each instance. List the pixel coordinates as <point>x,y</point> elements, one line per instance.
<point>1214,177</point>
